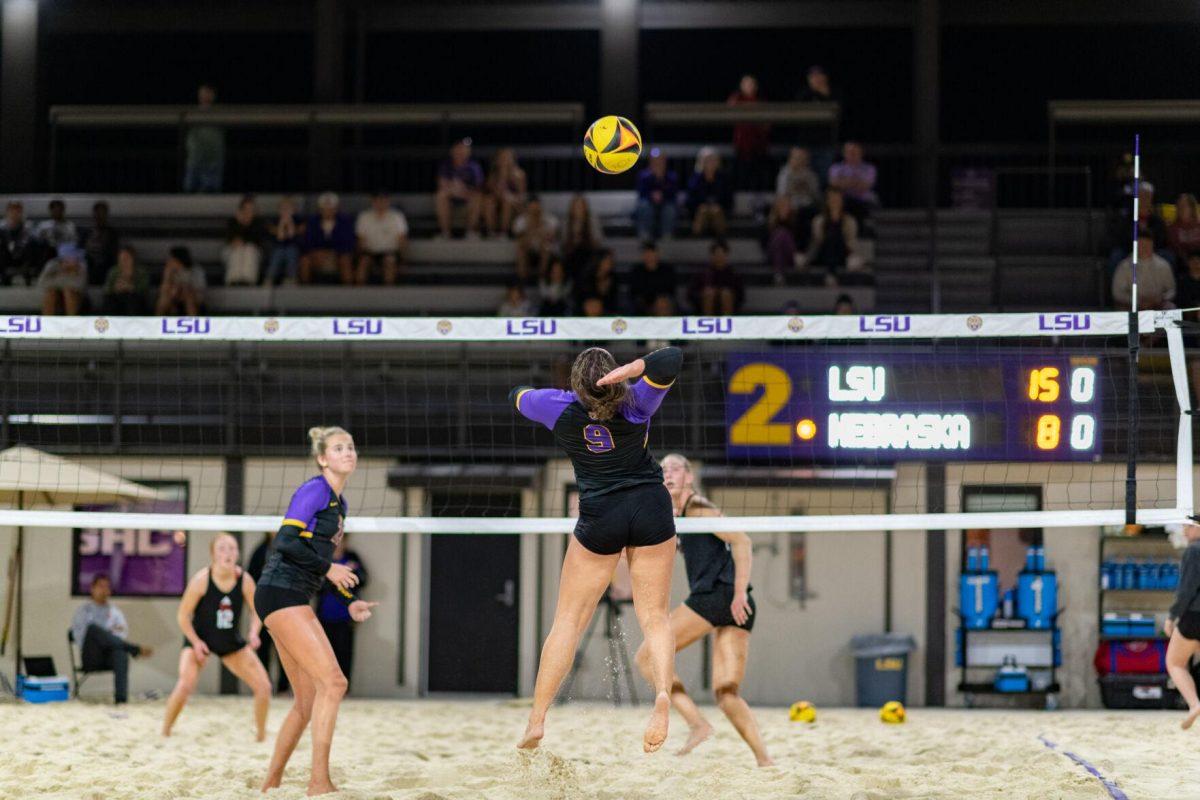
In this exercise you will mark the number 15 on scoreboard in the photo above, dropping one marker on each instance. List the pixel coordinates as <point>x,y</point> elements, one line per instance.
<point>1044,386</point>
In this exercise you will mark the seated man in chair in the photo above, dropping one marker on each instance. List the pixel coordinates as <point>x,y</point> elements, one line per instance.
<point>100,629</point>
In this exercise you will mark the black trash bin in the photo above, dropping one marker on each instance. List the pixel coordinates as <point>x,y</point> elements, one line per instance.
<point>881,668</point>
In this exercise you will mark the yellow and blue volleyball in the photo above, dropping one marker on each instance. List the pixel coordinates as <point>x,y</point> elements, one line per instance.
<point>802,711</point>
<point>892,713</point>
<point>612,145</point>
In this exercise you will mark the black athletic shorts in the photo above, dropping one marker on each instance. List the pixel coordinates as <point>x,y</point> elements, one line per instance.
<point>1189,625</point>
<point>639,516</point>
<point>268,599</point>
<point>714,607</point>
<point>227,648</point>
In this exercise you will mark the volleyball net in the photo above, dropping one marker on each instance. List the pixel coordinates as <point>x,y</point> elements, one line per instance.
<point>806,423</point>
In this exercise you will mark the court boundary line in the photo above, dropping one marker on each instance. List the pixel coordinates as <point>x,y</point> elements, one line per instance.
<point>1110,786</point>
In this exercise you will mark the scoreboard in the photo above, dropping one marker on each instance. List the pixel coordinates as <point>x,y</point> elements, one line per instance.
<point>831,405</point>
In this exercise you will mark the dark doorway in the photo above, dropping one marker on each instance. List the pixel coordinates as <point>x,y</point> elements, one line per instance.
<point>473,590</point>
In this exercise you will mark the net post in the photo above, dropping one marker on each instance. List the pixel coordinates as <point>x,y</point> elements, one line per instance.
<point>1134,409</point>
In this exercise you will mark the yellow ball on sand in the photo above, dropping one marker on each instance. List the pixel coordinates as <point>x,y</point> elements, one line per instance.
<point>612,145</point>
<point>892,713</point>
<point>802,711</point>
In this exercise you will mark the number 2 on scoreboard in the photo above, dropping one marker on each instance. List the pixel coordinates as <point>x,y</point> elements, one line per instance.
<point>755,427</point>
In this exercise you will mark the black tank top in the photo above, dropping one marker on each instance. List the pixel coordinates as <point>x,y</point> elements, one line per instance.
<point>706,558</point>
<point>218,616</point>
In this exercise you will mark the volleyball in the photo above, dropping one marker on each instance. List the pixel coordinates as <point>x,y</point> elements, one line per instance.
<point>892,713</point>
<point>612,145</point>
<point>802,711</point>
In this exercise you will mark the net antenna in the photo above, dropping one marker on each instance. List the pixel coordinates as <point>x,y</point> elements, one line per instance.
<point>1134,352</point>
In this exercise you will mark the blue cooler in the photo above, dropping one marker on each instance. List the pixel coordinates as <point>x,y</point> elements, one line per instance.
<point>978,597</point>
<point>1037,599</point>
<point>1011,678</point>
<point>43,690</point>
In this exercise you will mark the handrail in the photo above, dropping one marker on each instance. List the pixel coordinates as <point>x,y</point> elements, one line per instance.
<point>659,113</point>
<point>1121,111</point>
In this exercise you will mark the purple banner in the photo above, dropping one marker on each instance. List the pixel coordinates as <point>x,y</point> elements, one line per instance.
<point>140,563</point>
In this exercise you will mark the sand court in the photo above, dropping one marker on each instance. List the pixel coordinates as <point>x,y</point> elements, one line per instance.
<point>425,750</point>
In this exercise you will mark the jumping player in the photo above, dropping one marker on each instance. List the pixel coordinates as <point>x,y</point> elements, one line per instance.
<point>718,572</point>
<point>1183,624</point>
<point>603,424</point>
<point>296,569</point>
<point>210,616</point>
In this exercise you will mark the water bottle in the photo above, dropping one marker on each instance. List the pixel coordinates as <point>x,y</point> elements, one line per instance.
<point>1030,559</point>
<point>972,559</point>
<point>1040,556</point>
<point>1129,574</point>
<point>983,559</point>
<point>1143,575</point>
<point>1105,575</point>
<point>1009,604</point>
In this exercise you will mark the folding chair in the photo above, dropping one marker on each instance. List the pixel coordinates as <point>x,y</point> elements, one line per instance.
<point>78,673</point>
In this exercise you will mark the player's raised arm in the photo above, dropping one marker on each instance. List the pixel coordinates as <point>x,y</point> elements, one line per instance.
<point>657,370</point>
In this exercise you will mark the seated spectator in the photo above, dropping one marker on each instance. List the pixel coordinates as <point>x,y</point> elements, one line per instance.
<point>856,178</point>
<point>100,245</point>
<point>844,306</point>
<point>651,281</point>
<point>1187,293</point>
<point>593,306</point>
<point>459,187</point>
<point>1149,220</point>
<point>799,184</point>
<point>816,87</point>
<point>183,286</point>
<point>709,195</point>
<point>750,139</point>
<point>834,240</point>
<point>63,282</point>
<point>658,196</point>
<point>127,288</point>
<point>382,239</point>
<point>599,282</point>
<point>504,193</point>
<point>244,235</point>
<point>781,241</point>
<point>516,302</point>
<point>1156,280</point>
<point>582,238</point>
<point>19,250</point>
<point>1184,233</point>
<point>286,235</point>
<point>56,231</point>
<point>537,238</point>
<point>328,244</point>
<point>718,289</point>
<point>100,629</point>
<point>555,291</point>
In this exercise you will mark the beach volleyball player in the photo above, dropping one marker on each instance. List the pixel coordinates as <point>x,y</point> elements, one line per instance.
<point>210,616</point>
<point>298,566</point>
<point>1183,624</point>
<point>719,600</point>
<point>603,423</point>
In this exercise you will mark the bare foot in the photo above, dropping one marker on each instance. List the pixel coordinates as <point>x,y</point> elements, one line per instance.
<point>261,736</point>
<point>321,787</point>
<point>534,732</point>
<point>696,735</point>
<point>272,782</point>
<point>656,730</point>
<point>1190,718</point>
<point>765,761</point>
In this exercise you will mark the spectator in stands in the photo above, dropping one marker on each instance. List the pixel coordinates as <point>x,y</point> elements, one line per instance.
<point>599,282</point>
<point>516,302</point>
<point>799,184</point>
<point>718,289</point>
<point>286,235</point>
<point>652,283</point>
<point>856,178</point>
<point>658,197</point>
<point>100,245</point>
<point>1184,233</point>
<point>1148,221</point>
<point>244,235</point>
<point>781,239</point>
<point>56,231</point>
<point>382,239</point>
<point>329,243</point>
<point>750,139</point>
<point>18,247</point>
<point>537,239</point>
<point>834,240</point>
<point>1187,293</point>
<point>504,194</point>
<point>183,286</point>
<point>844,306</point>
<point>709,195</point>
<point>1156,280</point>
<point>63,282</point>
<point>127,287</point>
<point>100,632</point>
<point>593,306</point>
<point>555,290</point>
<point>459,186</point>
<point>582,238</point>
<point>205,145</point>
<point>816,87</point>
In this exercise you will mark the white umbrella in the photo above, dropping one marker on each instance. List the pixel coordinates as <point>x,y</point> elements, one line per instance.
<point>30,476</point>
